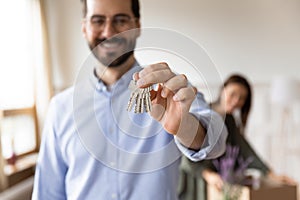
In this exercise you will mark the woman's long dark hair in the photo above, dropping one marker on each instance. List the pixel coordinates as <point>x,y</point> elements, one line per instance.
<point>239,79</point>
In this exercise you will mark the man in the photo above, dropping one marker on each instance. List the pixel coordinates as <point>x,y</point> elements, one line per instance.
<point>128,156</point>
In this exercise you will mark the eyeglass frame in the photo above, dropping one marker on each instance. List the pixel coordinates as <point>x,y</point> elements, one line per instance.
<point>112,20</point>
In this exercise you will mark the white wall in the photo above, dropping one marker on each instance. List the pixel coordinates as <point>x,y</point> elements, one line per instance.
<point>68,48</point>
<point>259,38</point>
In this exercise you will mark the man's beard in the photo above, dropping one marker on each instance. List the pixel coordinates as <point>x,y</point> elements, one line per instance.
<point>117,61</point>
<point>112,59</point>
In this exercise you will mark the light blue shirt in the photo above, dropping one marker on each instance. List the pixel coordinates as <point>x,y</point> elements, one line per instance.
<point>93,148</point>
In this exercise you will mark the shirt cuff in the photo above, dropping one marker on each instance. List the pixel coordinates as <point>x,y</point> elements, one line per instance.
<point>214,142</point>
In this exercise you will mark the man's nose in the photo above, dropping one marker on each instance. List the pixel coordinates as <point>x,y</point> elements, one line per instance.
<point>108,30</point>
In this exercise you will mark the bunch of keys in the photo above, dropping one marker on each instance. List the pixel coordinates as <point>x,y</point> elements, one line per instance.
<point>140,97</point>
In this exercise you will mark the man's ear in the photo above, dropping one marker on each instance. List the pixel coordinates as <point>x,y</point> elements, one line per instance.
<point>138,25</point>
<point>83,27</point>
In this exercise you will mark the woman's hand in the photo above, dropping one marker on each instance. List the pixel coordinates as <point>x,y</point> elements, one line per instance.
<point>281,178</point>
<point>212,178</point>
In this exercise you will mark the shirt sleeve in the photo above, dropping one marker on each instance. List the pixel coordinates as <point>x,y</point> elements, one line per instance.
<point>216,133</point>
<point>51,168</point>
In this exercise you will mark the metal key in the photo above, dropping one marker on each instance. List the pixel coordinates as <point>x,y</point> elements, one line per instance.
<point>148,100</point>
<point>140,97</point>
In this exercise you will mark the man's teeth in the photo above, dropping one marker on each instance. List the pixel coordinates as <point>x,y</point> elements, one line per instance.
<point>110,45</point>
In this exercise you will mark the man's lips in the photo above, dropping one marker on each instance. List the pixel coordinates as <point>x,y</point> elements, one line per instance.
<point>111,43</point>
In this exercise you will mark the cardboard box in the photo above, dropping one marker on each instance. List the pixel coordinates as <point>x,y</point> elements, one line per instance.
<point>268,191</point>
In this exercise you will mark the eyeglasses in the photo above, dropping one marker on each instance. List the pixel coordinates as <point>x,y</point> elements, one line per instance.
<point>119,22</point>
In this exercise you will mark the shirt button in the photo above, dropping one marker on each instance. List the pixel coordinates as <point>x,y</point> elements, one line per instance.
<point>112,164</point>
<point>98,87</point>
<point>114,196</point>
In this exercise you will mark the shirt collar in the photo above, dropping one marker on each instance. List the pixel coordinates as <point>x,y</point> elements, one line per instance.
<point>124,80</point>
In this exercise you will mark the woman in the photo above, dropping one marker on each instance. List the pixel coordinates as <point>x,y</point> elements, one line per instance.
<point>235,97</point>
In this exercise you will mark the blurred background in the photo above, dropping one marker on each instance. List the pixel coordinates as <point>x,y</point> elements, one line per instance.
<point>42,50</point>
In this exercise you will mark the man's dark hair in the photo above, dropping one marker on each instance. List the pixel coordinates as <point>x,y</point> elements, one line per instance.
<point>135,6</point>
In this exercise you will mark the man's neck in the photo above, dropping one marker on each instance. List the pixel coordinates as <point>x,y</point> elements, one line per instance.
<point>110,75</point>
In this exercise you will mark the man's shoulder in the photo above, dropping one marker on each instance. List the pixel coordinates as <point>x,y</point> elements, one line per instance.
<point>66,91</point>
<point>75,96</point>
<point>64,97</point>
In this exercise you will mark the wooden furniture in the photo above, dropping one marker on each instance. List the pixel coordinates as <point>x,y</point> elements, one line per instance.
<point>268,190</point>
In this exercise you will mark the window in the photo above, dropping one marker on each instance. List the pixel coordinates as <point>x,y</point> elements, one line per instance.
<point>25,87</point>
<point>18,127</point>
<point>19,132</point>
<point>16,65</point>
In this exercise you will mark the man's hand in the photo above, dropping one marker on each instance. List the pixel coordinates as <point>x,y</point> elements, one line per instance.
<point>171,103</point>
<point>173,98</point>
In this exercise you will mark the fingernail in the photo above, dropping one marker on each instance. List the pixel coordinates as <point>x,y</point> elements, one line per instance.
<point>135,76</point>
<point>163,94</point>
<point>141,73</point>
<point>175,98</point>
<point>140,82</point>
